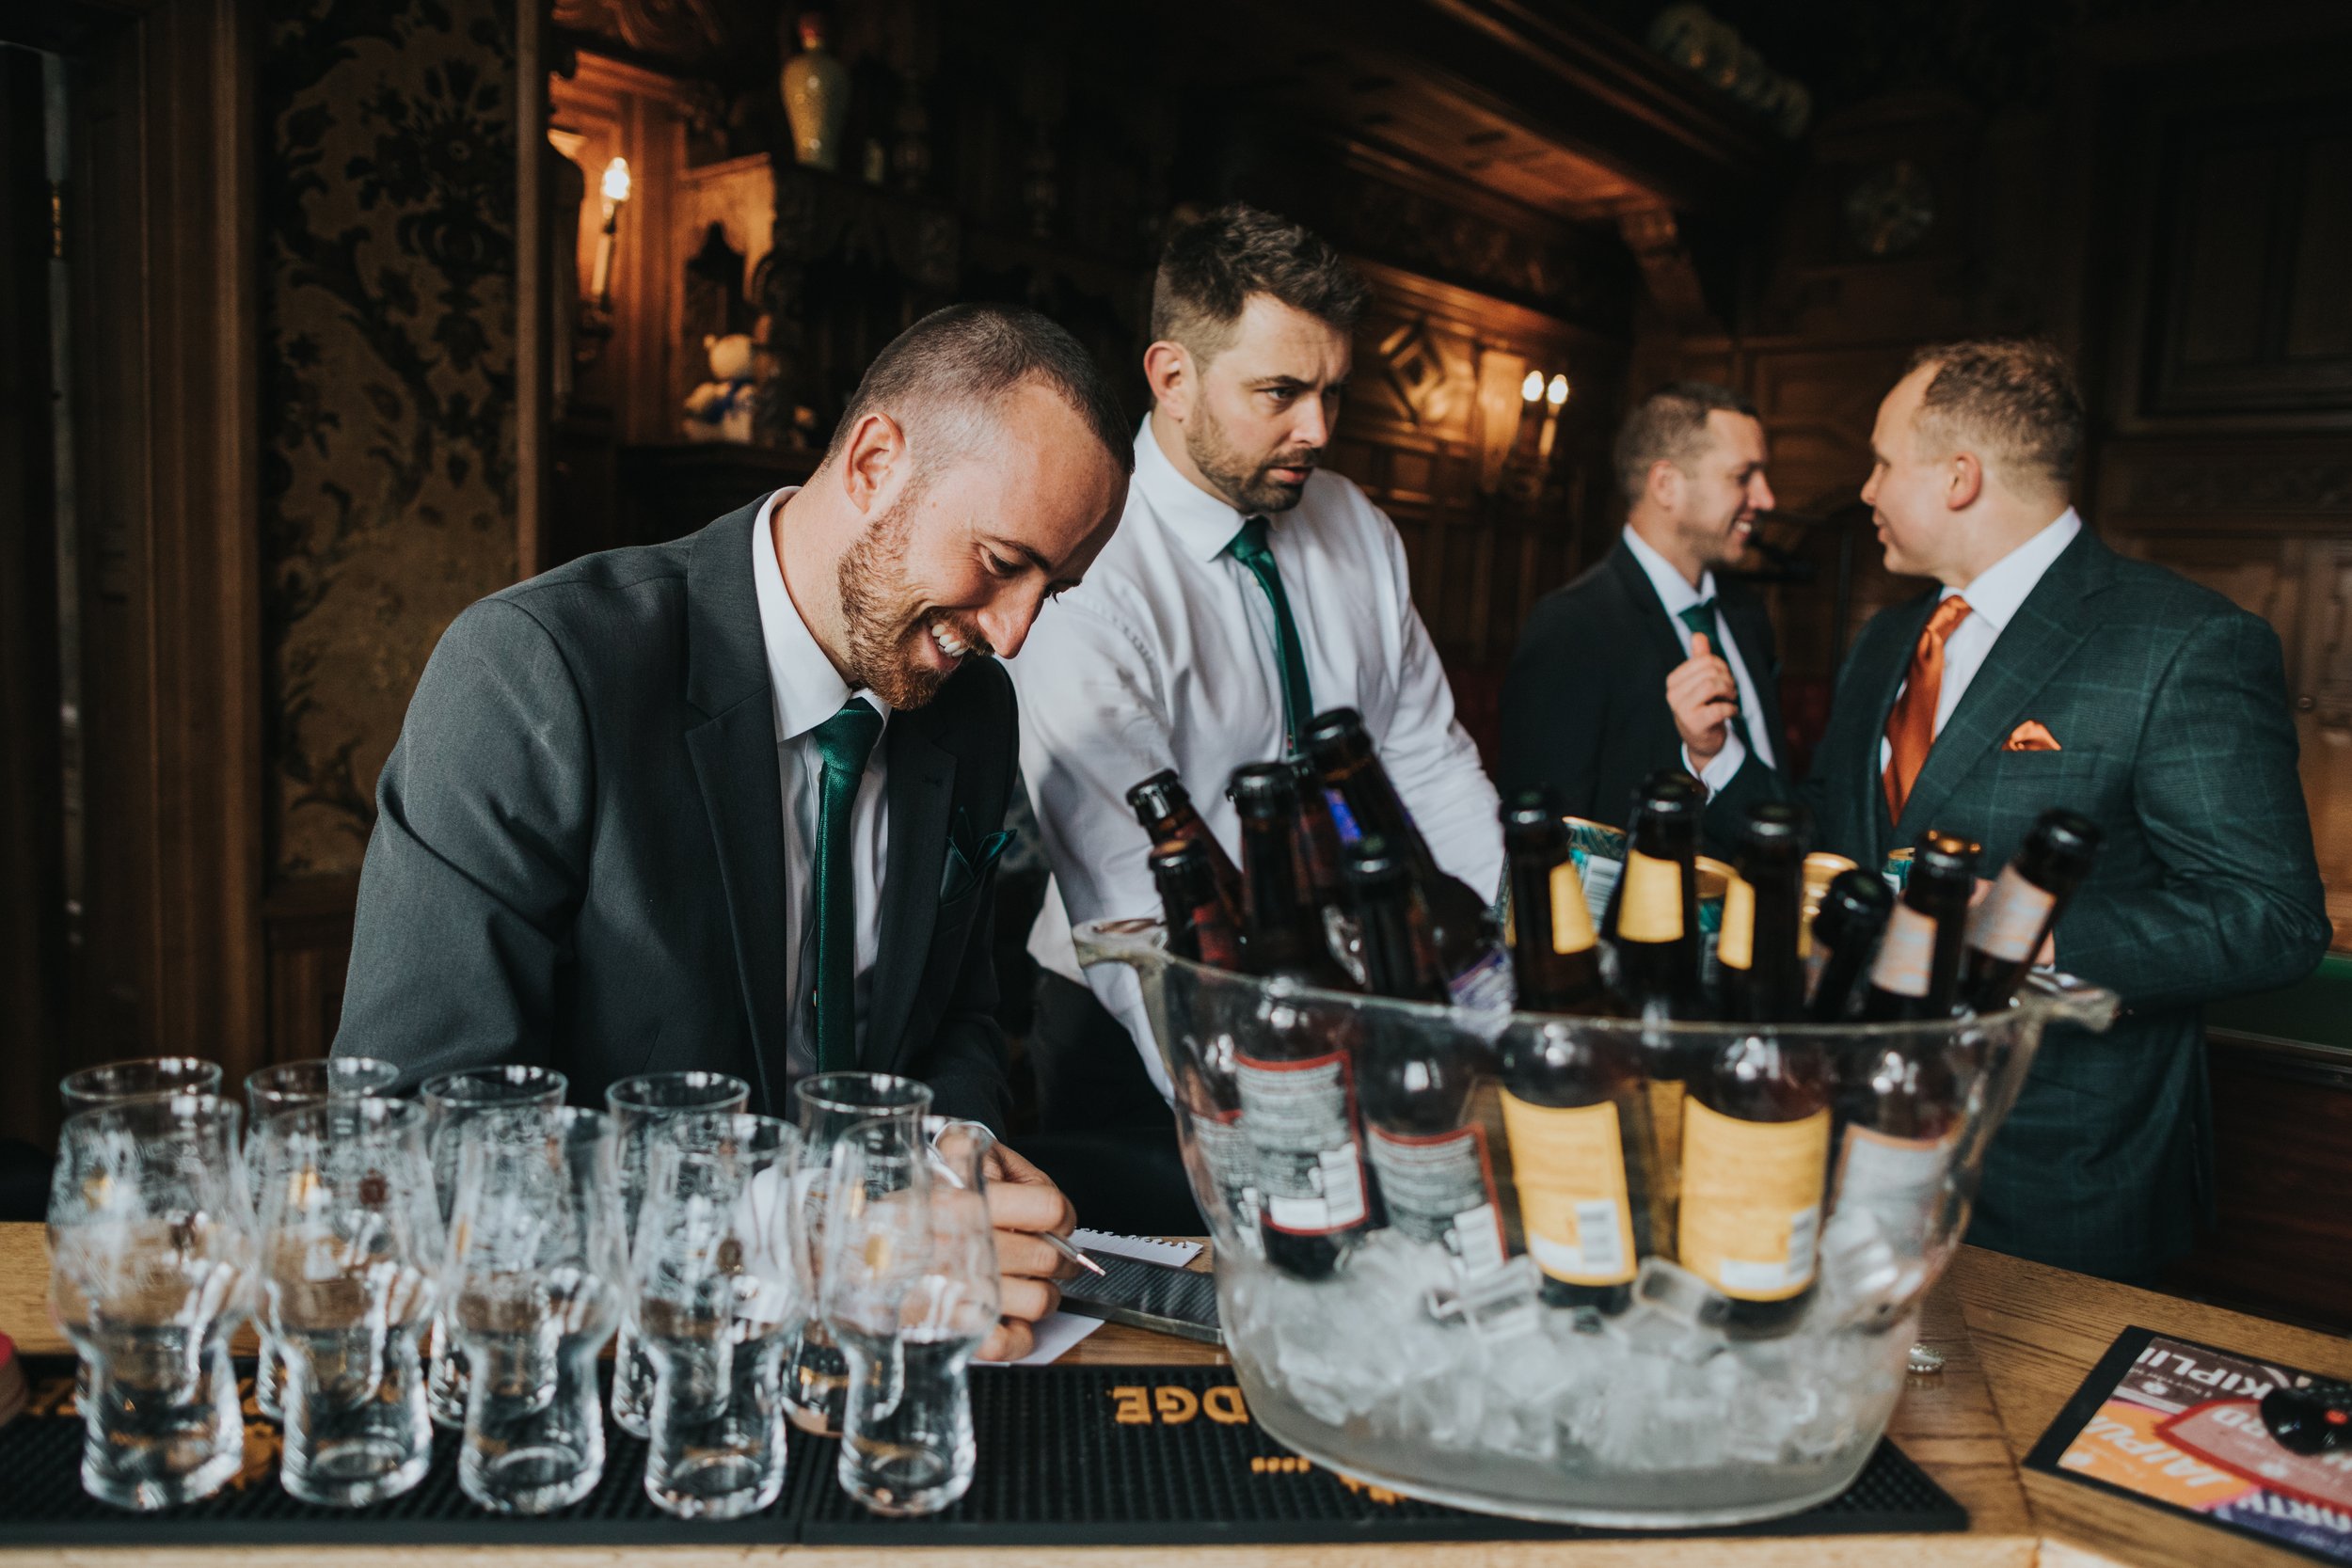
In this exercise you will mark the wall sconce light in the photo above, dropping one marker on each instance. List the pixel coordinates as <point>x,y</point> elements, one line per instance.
<point>1502,404</point>
<point>616,184</point>
<point>1555,398</point>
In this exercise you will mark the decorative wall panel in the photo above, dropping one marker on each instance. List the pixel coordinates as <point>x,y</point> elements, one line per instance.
<point>387,480</point>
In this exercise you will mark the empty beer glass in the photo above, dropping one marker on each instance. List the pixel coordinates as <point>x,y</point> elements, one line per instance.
<point>450,1100</point>
<point>641,1107</point>
<point>283,1087</point>
<point>535,1285</point>
<point>140,1079</point>
<point>908,1290</point>
<point>717,1298</point>
<point>150,1245</point>
<point>350,1243</point>
<point>817,1382</point>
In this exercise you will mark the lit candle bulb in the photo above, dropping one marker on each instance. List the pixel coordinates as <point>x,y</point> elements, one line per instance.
<point>615,193</point>
<point>1555,397</point>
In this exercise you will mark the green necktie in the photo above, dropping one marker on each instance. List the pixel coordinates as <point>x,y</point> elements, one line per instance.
<point>845,741</point>
<point>1700,618</point>
<point>1249,548</point>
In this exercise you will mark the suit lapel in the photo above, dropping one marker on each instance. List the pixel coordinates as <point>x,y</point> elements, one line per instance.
<point>2039,639</point>
<point>1648,607</point>
<point>1872,702</point>
<point>922,792</point>
<point>734,753</point>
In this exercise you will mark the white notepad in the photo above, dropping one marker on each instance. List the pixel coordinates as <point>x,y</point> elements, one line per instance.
<point>1058,1331</point>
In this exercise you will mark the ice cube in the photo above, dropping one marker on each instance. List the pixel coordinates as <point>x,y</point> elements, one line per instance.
<point>1674,1291</point>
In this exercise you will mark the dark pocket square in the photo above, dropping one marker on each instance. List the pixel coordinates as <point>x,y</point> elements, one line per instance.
<point>963,871</point>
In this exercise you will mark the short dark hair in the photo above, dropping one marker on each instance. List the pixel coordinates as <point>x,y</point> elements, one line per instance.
<point>2016,396</point>
<point>1670,426</point>
<point>942,378</point>
<point>1208,270</point>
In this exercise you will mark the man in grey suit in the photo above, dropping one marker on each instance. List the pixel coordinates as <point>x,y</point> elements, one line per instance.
<point>732,802</point>
<point>2048,671</point>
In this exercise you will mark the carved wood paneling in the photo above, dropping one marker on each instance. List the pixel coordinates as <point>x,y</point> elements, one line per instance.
<point>308,922</point>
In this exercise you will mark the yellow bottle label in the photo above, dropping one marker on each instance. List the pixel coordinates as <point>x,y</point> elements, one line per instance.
<point>1752,1201</point>
<point>1651,907</point>
<point>1569,1163</point>
<point>1735,947</point>
<point>1571,916</point>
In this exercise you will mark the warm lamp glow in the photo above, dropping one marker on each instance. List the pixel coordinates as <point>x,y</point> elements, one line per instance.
<point>1557,393</point>
<point>1533,387</point>
<point>616,181</point>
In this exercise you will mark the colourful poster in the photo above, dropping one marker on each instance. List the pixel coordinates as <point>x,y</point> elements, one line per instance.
<point>2180,1425</point>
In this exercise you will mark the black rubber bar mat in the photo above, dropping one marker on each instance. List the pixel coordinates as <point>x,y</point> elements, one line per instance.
<point>1057,1466</point>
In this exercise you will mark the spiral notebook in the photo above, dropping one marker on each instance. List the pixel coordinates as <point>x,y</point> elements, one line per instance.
<point>1056,1332</point>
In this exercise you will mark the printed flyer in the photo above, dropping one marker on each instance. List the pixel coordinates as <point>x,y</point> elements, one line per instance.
<point>2183,1426</point>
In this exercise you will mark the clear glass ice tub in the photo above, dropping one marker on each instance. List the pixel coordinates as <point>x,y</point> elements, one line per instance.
<point>1406,1368</point>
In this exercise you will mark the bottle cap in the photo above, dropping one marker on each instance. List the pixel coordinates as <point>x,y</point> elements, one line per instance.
<point>1857,901</point>
<point>1780,826</point>
<point>1670,793</point>
<point>1336,732</point>
<point>1180,857</point>
<point>1534,818</point>
<point>1159,797</point>
<point>2067,833</point>
<point>1264,789</point>
<point>1944,857</point>
<point>1373,863</point>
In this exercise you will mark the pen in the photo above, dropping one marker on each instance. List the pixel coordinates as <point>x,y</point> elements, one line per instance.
<point>1067,1250</point>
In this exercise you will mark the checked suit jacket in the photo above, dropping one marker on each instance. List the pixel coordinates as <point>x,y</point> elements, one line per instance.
<point>2170,709</point>
<point>579,849</point>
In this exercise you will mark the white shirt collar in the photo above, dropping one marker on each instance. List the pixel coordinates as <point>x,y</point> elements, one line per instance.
<point>2001,587</point>
<point>808,689</point>
<point>1203,524</point>
<point>1673,590</point>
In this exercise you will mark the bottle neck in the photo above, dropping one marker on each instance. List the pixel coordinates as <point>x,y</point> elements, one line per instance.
<point>1553,950</point>
<point>1763,975</point>
<point>1394,962</point>
<point>1362,786</point>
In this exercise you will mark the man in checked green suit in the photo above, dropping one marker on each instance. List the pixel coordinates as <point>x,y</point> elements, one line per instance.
<point>2048,671</point>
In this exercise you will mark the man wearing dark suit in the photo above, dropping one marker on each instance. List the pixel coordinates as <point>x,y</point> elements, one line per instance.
<point>1585,704</point>
<point>2048,671</point>
<point>731,802</point>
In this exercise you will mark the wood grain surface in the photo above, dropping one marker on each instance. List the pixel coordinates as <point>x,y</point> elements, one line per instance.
<point>2017,1339</point>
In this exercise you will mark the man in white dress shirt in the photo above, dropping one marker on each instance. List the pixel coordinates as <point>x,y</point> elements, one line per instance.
<point>1606,665</point>
<point>1169,654</point>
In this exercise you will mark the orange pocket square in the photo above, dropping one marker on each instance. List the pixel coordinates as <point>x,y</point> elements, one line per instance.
<point>2031,735</point>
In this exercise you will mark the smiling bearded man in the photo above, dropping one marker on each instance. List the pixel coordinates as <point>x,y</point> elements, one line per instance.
<point>731,804</point>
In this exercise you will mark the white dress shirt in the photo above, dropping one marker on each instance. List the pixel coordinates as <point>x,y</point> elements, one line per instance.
<point>1676,594</point>
<point>1165,658</point>
<point>808,690</point>
<point>1992,601</point>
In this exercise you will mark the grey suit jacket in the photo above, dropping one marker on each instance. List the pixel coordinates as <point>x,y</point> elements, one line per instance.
<point>2169,704</point>
<point>579,850</point>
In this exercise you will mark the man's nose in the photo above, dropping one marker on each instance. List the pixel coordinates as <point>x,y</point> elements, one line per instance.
<point>1871,489</point>
<point>1007,620</point>
<point>1309,427</point>
<point>1760,494</point>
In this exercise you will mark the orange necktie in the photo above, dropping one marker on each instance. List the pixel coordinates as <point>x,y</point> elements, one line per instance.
<point>1910,727</point>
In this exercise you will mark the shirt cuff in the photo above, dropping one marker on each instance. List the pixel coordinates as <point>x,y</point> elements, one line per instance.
<point>1720,767</point>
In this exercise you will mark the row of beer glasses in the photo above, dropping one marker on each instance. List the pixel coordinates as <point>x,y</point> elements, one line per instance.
<point>466,1258</point>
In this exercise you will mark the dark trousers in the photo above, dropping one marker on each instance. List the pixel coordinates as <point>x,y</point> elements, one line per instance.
<point>1105,1134</point>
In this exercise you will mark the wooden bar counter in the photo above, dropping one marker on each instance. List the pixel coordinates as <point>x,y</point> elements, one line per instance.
<point>2017,1339</point>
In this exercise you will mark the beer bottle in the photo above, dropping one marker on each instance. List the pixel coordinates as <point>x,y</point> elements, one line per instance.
<point>1165,808</point>
<point>1554,954</point>
<point>1656,906</point>
<point>1574,1097</point>
<point>1756,1135</point>
<point>1846,932</point>
<point>1763,975</point>
<point>1199,929</point>
<point>1898,1109</point>
<point>1917,974</point>
<point>1429,1158</point>
<point>1293,1066</point>
<point>1362,800</point>
<point>2006,932</point>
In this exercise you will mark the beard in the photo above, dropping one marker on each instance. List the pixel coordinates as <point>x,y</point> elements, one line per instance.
<point>1246,482</point>
<point>884,614</point>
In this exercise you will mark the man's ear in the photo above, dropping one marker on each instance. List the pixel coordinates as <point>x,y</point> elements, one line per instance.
<point>1664,486</point>
<point>1965,483</point>
<point>874,454</point>
<point>1168,370</point>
